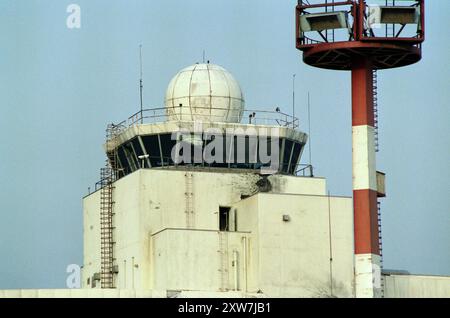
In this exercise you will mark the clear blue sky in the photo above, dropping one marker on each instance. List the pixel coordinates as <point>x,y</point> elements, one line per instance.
<point>60,87</point>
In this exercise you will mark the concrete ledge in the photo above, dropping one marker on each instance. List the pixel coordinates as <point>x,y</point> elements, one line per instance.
<point>119,293</point>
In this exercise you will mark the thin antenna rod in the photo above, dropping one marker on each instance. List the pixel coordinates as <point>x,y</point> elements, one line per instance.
<point>309,128</point>
<point>203,56</point>
<point>141,86</point>
<point>331,243</point>
<point>293,101</point>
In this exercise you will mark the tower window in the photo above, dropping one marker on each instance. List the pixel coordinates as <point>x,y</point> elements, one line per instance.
<point>224,213</point>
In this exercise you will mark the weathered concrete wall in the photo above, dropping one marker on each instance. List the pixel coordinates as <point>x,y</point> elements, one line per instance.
<point>292,258</point>
<point>81,293</point>
<point>151,201</point>
<point>120,293</point>
<point>199,260</point>
<point>416,286</point>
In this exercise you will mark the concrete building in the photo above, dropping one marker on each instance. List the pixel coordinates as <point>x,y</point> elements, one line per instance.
<point>277,242</point>
<point>416,286</point>
<point>238,225</point>
<point>195,203</point>
<point>233,226</point>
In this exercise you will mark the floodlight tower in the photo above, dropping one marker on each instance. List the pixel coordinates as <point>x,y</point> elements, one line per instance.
<point>359,37</point>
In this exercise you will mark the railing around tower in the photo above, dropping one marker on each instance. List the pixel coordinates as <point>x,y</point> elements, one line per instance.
<point>213,114</point>
<point>331,21</point>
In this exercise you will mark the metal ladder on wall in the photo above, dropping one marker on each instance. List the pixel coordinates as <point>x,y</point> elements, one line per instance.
<point>375,108</point>
<point>108,175</point>
<point>223,250</point>
<point>377,149</point>
<point>380,244</point>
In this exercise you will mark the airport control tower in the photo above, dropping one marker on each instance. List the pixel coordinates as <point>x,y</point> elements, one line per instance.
<point>362,37</point>
<point>205,197</point>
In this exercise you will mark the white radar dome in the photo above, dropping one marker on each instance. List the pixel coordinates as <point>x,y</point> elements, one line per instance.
<point>204,92</point>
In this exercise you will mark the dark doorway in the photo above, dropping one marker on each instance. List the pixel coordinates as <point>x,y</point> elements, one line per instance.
<point>224,213</point>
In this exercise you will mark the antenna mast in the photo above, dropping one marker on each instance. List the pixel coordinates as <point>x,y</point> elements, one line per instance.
<point>293,101</point>
<point>141,86</point>
<point>309,128</point>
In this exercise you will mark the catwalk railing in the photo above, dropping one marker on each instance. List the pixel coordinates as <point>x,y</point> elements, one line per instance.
<point>358,21</point>
<point>212,114</point>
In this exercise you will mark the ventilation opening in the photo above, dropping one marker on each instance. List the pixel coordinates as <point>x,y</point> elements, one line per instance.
<point>224,213</point>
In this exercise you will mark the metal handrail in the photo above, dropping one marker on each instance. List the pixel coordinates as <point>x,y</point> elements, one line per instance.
<point>366,33</point>
<point>303,169</point>
<point>162,114</point>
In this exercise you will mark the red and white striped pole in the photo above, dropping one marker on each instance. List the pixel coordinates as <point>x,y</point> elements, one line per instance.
<point>367,250</point>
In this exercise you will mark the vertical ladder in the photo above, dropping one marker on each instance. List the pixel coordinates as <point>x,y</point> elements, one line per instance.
<point>375,109</point>
<point>108,175</point>
<point>223,256</point>
<point>380,244</point>
<point>377,149</point>
<point>189,200</point>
